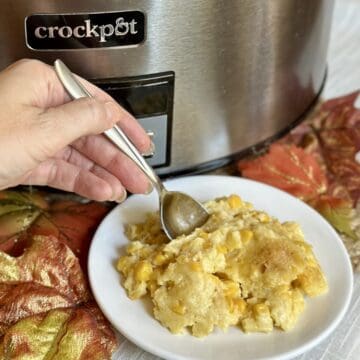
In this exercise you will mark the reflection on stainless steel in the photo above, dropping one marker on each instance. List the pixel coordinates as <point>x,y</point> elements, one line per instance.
<point>244,69</point>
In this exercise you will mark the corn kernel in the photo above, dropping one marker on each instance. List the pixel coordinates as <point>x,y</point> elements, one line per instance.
<point>132,231</point>
<point>203,234</point>
<point>178,308</point>
<point>156,273</point>
<point>264,218</point>
<point>159,259</point>
<point>133,248</point>
<point>215,279</point>
<point>230,304</point>
<point>133,296</point>
<point>240,304</point>
<point>152,286</point>
<point>196,266</point>
<point>233,240</point>
<point>122,264</point>
<point>143,271</point>
<point>246,235</point>
<point>207,244</point>
<point>234,201</point>
<point>260,309</point>
<point>222,249</point>
<point>255,271</point>
<point>231,288</point>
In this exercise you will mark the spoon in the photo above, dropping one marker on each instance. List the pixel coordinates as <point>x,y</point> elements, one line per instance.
<point>180,214</point>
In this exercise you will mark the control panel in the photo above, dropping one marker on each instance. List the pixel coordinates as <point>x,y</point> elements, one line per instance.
<point>150,99</point>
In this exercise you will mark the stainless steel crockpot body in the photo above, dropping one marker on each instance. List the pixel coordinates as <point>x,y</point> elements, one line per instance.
<point>210,78</point>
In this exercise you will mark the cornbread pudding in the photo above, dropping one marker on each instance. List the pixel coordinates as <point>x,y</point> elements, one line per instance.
<point>241,268</point>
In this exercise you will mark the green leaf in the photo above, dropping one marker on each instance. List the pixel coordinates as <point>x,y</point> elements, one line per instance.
<point>14,222</point>
<point>339,213</point>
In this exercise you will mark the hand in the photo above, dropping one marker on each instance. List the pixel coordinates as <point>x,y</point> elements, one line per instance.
<point>46,139</point>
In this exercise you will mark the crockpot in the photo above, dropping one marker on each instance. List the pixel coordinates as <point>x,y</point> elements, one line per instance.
<point>209,79</point>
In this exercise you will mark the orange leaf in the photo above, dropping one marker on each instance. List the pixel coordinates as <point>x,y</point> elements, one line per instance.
<point>332,136</point>
<point>289,168</point>
<point>339,148</point>
<point>340,102</point>
<point>338,113</point>
<point>338,190</point>
<point>75,225</point>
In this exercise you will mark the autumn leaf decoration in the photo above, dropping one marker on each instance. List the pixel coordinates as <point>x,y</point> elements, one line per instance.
<point>289,168</point>
<point>46,308</point>
<point>48,270</point>
<point>17,212</point>
<point>23,215</point>
<point>316,163</point>
<point>71,334</point>
<point>338,212</point>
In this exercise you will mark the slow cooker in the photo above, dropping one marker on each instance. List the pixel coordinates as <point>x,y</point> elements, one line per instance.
<point>209,79</point>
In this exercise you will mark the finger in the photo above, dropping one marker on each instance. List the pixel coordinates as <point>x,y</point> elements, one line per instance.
<point>62,175</point>
<point>126,121</point>
<point>56,127</point>
<point>105,154</point>
<point>72,156</point>
<point>48,92</point>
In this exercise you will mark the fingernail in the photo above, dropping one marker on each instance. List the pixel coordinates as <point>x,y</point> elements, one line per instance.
<point>149,189</point>
<point>122,197</point>
<point>111,109</point>
<point>150,151</point>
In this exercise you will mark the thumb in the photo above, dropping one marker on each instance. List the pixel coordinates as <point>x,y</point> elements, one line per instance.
<point>59,126</point>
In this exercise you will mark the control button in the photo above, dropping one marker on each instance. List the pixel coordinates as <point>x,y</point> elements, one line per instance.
<point>150,134</point>
<point>151,151</point>
<point>156,127</point>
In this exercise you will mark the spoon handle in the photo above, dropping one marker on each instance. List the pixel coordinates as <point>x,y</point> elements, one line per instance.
<point>76,91</point>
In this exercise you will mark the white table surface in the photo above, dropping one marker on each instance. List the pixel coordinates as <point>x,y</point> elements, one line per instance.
<point>343,77</point>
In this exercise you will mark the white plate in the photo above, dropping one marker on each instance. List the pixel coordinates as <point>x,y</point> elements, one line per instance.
<point>133,318</point>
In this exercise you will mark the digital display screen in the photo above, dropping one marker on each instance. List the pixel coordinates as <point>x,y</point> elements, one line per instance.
<point>142,101</point>
<point>142,96</point>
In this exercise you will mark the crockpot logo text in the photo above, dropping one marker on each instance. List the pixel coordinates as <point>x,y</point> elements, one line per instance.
<point>89,30</point>
<point>82,31</point>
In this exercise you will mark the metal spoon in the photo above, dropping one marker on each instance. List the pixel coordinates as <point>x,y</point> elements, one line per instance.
<point>180,214</point>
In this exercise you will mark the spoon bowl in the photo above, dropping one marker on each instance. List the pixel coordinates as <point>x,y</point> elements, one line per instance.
<point>180,214</point>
